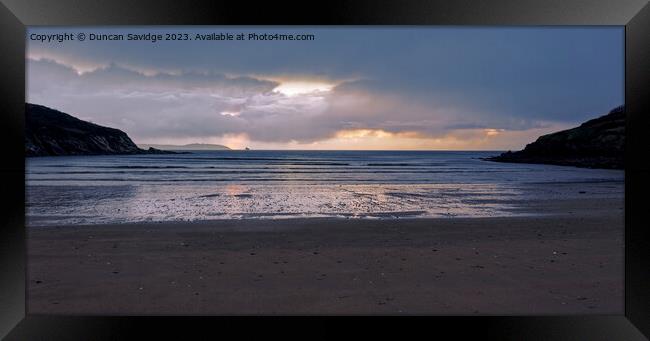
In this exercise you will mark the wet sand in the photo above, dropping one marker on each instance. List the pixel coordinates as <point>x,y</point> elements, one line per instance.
<point>568,260</point>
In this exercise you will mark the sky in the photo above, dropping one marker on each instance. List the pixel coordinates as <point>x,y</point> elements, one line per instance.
<point>363,88</point>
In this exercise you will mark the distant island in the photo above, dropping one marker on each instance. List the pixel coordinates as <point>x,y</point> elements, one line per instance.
<point>49,132</point>
<point>597,143</point>
<point>191,146</point>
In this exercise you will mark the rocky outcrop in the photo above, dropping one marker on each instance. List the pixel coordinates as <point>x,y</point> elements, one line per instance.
<point>598,143</point>
<point>51,132</point>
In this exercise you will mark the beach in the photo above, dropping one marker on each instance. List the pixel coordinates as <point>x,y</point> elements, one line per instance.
<point>564,257</point>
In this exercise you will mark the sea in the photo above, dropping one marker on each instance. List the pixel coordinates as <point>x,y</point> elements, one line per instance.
<point>211,185</point>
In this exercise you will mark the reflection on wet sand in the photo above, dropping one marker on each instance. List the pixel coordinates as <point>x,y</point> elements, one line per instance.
<point>178,203</point>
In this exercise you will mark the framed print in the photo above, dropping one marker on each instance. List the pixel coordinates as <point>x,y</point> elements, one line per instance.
<point>173,168</point>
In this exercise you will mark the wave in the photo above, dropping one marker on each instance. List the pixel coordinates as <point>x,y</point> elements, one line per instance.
<point>279,172</point>
<point>389,164</point>
<point>314,180</point>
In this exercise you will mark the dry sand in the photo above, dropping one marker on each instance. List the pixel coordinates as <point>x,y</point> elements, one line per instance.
<point>568,260</point>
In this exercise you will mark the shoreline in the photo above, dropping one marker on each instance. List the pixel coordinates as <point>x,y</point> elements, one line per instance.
<point>283,220</point>
<point>280,219</point>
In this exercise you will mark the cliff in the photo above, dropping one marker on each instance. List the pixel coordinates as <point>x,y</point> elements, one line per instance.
<point>598,143</point>
<point>51,132</point>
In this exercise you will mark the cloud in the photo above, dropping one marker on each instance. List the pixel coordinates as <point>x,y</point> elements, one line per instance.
<point>190,107</point>
<point>414,87</point>
<point>175,105</point>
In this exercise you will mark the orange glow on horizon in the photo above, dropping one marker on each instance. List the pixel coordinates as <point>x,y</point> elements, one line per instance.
<point>379,139</point>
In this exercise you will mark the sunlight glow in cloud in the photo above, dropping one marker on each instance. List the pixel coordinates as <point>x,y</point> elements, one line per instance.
<point>292,88</point>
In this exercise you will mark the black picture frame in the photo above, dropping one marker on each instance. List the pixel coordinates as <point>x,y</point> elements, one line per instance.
<point>15,15</point>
